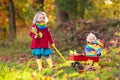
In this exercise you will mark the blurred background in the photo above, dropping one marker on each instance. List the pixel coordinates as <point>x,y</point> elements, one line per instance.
<point>70,21</point>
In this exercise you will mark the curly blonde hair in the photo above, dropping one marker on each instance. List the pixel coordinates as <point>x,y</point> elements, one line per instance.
<point>36,15</point>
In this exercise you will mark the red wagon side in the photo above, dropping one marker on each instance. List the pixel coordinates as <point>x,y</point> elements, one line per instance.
<point>84,58</point>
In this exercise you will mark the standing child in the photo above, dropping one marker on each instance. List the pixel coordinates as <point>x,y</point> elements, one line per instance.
<point>41,37</point>
<point>94,45</point>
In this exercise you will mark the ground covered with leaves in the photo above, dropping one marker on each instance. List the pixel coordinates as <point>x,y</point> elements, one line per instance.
<point>23,66</point>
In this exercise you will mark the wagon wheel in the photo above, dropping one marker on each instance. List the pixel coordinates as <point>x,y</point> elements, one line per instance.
<point>77,65</point>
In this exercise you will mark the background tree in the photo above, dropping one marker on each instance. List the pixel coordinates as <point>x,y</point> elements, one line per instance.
<point>57,10</point>
<point>12,34</point>
<point>70,10</point>
<point>41,4</point>
<point>61,14</point>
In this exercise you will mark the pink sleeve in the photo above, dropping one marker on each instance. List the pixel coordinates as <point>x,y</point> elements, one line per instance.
<point>50,37</point>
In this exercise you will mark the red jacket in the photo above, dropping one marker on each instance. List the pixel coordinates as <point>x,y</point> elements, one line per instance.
<point>42,42</point>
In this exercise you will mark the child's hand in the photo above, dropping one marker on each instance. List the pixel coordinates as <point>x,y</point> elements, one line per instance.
<point>35,37</point>
<point>53,45</point>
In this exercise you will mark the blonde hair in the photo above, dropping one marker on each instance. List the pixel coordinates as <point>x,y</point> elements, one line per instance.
<point>36,15</point>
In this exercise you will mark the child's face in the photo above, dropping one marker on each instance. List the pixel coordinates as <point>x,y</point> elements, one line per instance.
<point>40,18</point>
<point>91,39</point>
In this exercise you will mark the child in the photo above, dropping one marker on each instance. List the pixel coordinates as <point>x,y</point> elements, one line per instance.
<point>94,45</point>
<point>41,37</point>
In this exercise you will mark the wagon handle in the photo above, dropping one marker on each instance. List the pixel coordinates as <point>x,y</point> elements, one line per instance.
<point>59,53</point>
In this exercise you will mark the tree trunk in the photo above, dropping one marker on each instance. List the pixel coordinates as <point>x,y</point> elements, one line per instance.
<point>62,16</point>
<point>12,27</point>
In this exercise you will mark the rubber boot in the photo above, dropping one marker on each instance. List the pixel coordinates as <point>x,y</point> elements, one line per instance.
<point>39,63</point>
<point>49,61</point>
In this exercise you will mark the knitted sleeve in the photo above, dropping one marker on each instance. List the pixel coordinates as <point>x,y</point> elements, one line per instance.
<point>50,36</point>
<point>92,47</point>
<point>99,42</point>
